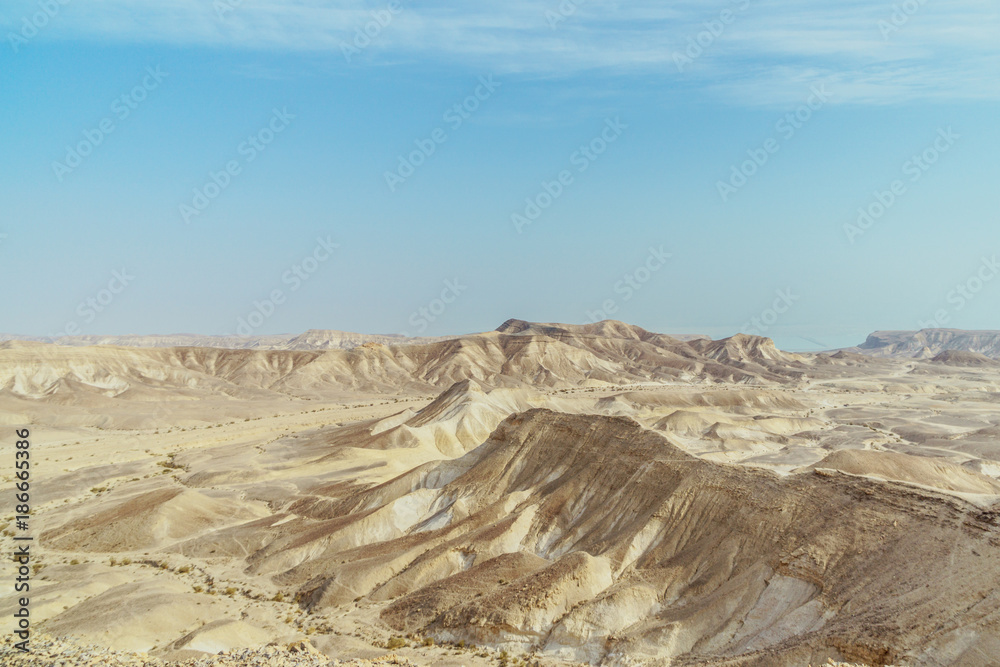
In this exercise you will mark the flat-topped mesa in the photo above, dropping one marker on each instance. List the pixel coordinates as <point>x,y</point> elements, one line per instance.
<point>324,339</point>
<point>928,343</point>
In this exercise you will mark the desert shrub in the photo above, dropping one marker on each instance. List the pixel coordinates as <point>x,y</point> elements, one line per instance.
<point>395,642</point>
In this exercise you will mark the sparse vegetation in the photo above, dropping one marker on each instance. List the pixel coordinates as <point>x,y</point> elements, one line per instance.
<point>242,510</point>
<point>170,464</point>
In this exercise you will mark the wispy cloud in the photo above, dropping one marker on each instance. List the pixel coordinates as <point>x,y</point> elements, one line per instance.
<point>772,48</point>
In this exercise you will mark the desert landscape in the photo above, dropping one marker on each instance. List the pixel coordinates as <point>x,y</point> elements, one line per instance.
<point>543,333</point>
<point>540,494</point>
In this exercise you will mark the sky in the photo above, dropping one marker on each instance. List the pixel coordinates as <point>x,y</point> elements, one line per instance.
<point>810,172</point>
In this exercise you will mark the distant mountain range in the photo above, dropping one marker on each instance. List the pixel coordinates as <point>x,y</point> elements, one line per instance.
<point>517,353</point>
<point>314,339</point>
<point>929,343</point>
<point>924,344</point>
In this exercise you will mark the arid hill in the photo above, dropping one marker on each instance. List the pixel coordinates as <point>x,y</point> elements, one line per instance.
<point>544,356</point>
<point>929,343</point>
<point>593,539</point>
<point>964,358</point>
<point>551,494</point>
<point>314,339</point>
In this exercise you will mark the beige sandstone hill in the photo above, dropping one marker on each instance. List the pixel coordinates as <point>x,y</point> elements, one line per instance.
<point>542,356</point>
<point>912,469</point>
<point>150,519</point>
<point>570,494</point>
<point>928,343</point>
<point>649,552</point>
<point>314,339</point>
<point>964,358</point>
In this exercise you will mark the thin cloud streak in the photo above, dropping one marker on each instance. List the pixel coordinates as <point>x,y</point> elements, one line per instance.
<point>940,52</point>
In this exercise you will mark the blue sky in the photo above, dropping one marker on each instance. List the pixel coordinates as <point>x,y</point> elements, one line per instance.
<point>648,111</point>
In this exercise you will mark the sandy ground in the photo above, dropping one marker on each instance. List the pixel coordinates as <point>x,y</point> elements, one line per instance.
<point>160,599</point>
<point>214,526</point>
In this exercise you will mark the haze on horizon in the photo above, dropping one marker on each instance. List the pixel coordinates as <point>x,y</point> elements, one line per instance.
<point>186,166</point>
